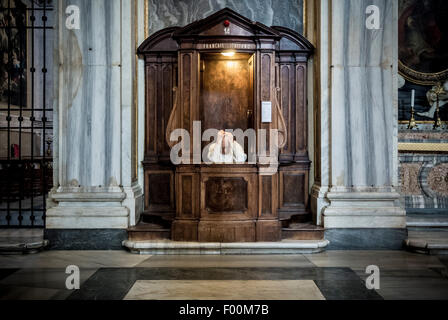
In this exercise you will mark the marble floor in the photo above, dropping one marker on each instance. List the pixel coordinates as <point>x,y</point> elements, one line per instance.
<point>118,275</point>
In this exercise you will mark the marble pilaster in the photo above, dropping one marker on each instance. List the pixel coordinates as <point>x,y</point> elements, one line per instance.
<point>94,105</point>
<point>357,118</point>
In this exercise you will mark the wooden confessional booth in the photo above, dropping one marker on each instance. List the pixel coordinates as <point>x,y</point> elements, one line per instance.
<point>220,71</point>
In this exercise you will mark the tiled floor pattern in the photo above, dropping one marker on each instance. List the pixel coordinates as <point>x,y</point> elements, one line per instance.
<point>120,275</point>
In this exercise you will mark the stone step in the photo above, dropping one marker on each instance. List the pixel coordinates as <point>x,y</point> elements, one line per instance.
<point>427,240</point>
<point>303,231</point>
<point>21,241</point>
<point>198,248</point>
<point>427,220</point>
<point>148,231</point>
<point>21,246</point>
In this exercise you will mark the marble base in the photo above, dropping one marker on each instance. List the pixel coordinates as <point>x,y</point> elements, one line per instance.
<point>20,241</point>
<point>199,248</point>
<point>19,247</point>
<point>365,239</point>
<point>88,209</point>
<point>85,239</point>
<point>428,240</point>
<point>364,209</point>
<point>426,247</point>
<point>427,221</point>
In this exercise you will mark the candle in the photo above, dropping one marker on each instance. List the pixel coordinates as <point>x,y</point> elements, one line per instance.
<point>412,98</point>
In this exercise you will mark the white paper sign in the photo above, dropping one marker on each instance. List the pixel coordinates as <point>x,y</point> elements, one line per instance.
<point>266,111</point>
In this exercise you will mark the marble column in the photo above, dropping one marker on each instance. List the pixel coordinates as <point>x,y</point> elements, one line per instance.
<point>355,194</point>
<point>96,194</point>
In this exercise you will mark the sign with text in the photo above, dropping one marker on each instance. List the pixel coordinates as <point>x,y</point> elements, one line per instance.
<point>266,111</point>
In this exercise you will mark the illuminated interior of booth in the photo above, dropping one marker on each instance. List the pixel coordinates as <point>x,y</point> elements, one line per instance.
<point>227,91</point>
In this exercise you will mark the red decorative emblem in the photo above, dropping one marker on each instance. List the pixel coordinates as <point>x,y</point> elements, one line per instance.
<point>226,23</point>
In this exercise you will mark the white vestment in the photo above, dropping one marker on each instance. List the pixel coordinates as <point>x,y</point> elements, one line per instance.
<point>226,150</point>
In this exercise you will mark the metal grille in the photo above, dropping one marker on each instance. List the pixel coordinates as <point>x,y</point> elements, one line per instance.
<point>26,112</point>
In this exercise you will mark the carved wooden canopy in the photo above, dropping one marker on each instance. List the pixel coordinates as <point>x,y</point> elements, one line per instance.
<point>241,30</point>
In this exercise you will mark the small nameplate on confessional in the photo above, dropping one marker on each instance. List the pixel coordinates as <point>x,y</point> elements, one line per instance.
<point>266,111</point>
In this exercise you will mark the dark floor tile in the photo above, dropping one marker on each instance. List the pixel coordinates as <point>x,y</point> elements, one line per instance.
<point>346,290</point>
<point>246,274</point>
<point>7,272</point>
<point>8,292</point>
<point>443,272</point>
<point>428,273</point>
<point>52,278</point>
<point>413,284</point>
<point>432,291</point>
<point>444,259</point>
<point>106,284</point>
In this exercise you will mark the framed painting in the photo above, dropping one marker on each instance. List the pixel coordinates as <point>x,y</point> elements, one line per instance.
<point>14,55</point>
<point>423,41</point>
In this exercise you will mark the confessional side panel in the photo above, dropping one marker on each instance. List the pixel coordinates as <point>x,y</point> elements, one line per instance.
<point>159,190</point>
<point>287,103</point>
<point>151,75</point>
<point>251,94</point>
<point>186,59</point>
<point>294,170</point>
<point>301,116</point>
<point>188,193</point>
<point>189,91</point>
<point>161,74</point>
<point>293,190</point>
<point>265,74</point>
<point>168,75</point>
<point>268,200</point>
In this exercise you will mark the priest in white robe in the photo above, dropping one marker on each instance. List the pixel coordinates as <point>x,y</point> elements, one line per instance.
<point>226,149</point>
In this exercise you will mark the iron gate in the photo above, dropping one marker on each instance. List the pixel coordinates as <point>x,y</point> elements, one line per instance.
<point>26,111</point>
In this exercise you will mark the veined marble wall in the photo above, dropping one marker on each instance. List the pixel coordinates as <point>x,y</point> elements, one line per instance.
<point>94,107</point>
<point>364,109</point>
<point>168,13</point>
<point>89,95</point>
<point>358,120</point>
